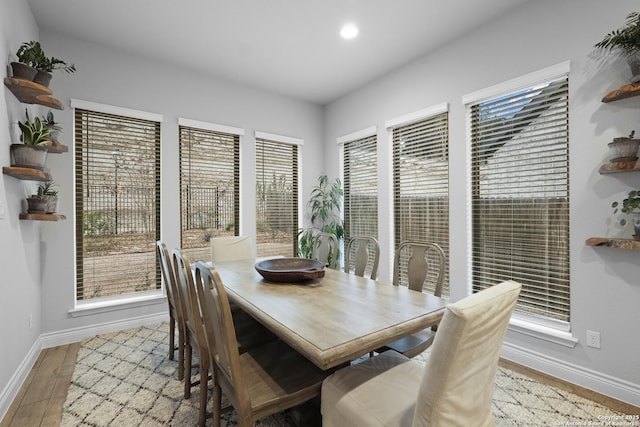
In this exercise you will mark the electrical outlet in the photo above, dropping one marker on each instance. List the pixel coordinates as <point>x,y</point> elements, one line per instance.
<point>593,339</point>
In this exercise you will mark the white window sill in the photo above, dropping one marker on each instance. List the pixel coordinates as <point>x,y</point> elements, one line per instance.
<point>542,332</point>
<point>105,305</point>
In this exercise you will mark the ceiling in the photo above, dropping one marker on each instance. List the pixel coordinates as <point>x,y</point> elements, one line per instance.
<point>289,47</point>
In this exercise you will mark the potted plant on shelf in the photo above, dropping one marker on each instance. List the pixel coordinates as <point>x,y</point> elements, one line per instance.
<point>45,66</point>
<point>624,148</point>
<point>630,205</point>
<point>325,204</point>
<point>32,153</point>
<point>626,41</point>
<point>47,191</point>
<point>50,123</point>
<point>29,54</point>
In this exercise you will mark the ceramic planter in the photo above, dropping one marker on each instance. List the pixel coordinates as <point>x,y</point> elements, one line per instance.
<point>43,78</point>
<point>634,64</point>
<point>23,71</point>
<point>36,204</point>
<point>636,225</point>
<point>52,204</point>
<point>624,150</point>
<point>28,156</point>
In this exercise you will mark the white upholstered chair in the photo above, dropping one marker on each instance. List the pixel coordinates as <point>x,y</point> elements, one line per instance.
<point>232,248</point>
<point>455,387</point>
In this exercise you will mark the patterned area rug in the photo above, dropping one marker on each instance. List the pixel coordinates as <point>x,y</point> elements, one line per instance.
<point>126,379</point>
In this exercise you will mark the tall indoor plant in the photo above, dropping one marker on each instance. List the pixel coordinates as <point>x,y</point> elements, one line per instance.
<point>626,41</point>
<point>325,205</point>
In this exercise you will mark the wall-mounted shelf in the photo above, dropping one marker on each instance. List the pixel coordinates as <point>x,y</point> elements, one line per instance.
<point>29,174</point>
<point>613,243</point>
<point>619,167</point>
<point>42,217</point>
<point>32,93</point>
<point>625,91</point>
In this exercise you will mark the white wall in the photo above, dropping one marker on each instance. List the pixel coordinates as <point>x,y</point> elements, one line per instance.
<point>605,290</point>
<point>20,286</point>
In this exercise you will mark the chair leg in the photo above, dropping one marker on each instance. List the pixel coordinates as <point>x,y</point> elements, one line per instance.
<point>181,350</point>
<point>204,382</point>
<point>217,402</point>
<point>172,333</point>
<point>187,371</point>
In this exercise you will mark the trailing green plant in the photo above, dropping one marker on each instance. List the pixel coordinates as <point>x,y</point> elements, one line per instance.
<point>625,40</point>
<point>34,132</point>
<point>325,204</point>
<point>30,53</point>
<point>630,205</point>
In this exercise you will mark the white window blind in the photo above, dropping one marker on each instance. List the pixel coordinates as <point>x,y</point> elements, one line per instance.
<point>117,175</point>
<point>361,190</point>
<point>276,198</point>
<point>520,195</point>
<point>421,187</point>
<point>209,188</point>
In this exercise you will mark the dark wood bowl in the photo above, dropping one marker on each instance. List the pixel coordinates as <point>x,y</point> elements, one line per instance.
<point>290,270</point>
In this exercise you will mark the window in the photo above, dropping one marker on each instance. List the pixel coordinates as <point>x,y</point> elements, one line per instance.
<point>209,188</point>
<point>360,181</point>
<point>520,195</point>
<point>276,197</point>
<point>421,184</point>
<point>117,173</point>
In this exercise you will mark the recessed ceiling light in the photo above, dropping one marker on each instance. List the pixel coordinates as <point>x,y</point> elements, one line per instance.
<point>349,31</point>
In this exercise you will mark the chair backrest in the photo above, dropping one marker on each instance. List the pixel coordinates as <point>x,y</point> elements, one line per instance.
<point>457,385</point>
<point>232,248</point>
<point>168,275</point>
<point>220,337</point>
<point>186,288</point>
<point>417,267</point>
<point>364,253</point>
<point>325,249</point>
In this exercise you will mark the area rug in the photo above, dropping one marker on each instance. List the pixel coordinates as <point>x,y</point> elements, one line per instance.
<point>126,379</point>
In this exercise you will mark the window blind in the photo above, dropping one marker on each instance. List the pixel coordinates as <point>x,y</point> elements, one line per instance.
<point>361,190</point>
<point>276,198</point>
<point>209,188</point>
<point>421,187</point>
<point>520,196</point>
<point>117,171</point>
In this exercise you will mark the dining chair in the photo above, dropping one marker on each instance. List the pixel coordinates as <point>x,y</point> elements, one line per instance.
<point>232,248</point>
<point>176,316</point>
<point>454,388</point>
<point>364,253</point>
<point>412,262</point>
<point>263,380</point>
<point>194,333</point>
<point>325,249</point>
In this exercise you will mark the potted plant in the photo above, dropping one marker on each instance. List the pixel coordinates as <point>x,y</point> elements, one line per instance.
<point>50,123</point>
<point>630,205</point>
<point>47,191</point>
<point>32,153</point>
<point>325,204</point>
<point>626,41</point>
<point>45,66</point>
<point>29,54</point>
<point>624,148</point>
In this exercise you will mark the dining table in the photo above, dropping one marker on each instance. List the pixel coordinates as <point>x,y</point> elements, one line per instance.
<point>334,319</point>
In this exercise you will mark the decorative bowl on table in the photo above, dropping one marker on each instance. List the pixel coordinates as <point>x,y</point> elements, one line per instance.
<point>291,270</point>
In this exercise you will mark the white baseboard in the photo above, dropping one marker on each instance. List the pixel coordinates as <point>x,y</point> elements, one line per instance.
<point>604,384</point>
<point>68,336</point>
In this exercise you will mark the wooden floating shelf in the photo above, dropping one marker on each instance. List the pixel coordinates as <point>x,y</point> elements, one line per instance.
<point>619,167</point>
<point>29,174</point>
<point>625,91</point>
<point>613,243</point>
<point>32,93</point>
<point>42,217</point>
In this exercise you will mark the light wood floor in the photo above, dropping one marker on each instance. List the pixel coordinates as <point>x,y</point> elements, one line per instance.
<point>40,399</point>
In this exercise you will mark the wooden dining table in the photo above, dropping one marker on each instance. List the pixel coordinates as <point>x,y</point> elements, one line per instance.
<point>334,319</point>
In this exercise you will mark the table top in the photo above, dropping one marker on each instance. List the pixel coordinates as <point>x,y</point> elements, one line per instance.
<point>334,319</point>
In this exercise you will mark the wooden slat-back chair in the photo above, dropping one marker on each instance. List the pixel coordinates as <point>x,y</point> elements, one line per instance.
<point>363,249</point>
